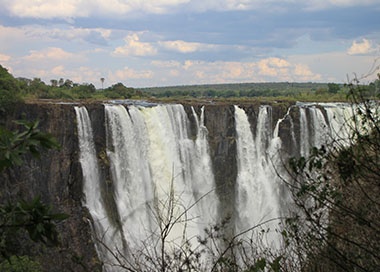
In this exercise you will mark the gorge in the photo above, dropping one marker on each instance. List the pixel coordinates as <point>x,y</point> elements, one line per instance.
<point>123,164</point>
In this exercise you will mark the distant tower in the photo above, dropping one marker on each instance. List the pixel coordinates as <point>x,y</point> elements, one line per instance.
<point>102,80</point>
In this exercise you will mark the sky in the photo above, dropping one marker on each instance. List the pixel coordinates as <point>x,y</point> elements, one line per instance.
<point>148,43</point>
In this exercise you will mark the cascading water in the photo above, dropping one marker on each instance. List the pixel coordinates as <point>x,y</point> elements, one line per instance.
<point>319,129</point>
<point>340,122</point>
<point>257,199</point>
<point>156,167</point>
<point>126,150</point>
<point>105,231</point>
<point>160,176</point>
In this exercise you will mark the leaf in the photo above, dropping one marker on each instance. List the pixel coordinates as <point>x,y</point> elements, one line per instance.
<point>259,265</point>
<point>275,265</point>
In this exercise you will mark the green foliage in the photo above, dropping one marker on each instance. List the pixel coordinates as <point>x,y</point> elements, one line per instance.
<point>34,217</point>
<point>337,189</point>
<point>13,145</point>
<point>281,90</point>
<point>9,90</point>
<point>333,88</point>
<point>20,264</point>
<point>119,91</point>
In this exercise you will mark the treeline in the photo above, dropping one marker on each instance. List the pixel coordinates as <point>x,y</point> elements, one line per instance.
<point>13,89</point>
<point>67,89</point>
<point>249,90</point>
<point>16,89</point>
<point>297,91</point>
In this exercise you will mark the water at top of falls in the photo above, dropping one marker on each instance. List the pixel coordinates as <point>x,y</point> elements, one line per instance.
<point>141,103</point>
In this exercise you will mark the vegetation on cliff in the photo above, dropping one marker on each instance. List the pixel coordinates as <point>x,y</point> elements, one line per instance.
<point>337,190</point>
<point>19,217</point>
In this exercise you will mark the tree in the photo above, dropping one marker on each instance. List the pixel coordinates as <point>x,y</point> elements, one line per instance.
<point>102,81</point>
<point>9,90</point>
<point>61,82</point>
<point>336,190</point>
<point>54,82</point>
<point>333,88</point>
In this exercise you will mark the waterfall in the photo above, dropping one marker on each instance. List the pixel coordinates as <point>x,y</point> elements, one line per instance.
<point>314,129</point>
<point>163,175</point>
<point>160,176</point>
<point>126,150</point>
<point>304,133</point>
<point>203,183</point>
<point>340,122</point>
<point>257,199</point>
<point>317,129</point>
<point>106,233</point>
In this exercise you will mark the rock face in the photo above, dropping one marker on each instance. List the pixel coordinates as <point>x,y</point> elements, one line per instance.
<point>57,177</point>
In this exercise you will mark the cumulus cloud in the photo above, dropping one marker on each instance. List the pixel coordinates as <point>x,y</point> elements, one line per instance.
<point>360,48</point>
<point>185,47</point>
<point>202,72</point>
<point>134,47</point>
<point>51,54</point>
<point>67,9</point>
<point>45,8</point>
<point>127,74</point>
<point>4,58</point>
<point>273,66</point>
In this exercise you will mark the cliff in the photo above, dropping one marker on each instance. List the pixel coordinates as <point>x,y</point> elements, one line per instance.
<point>57,177</point>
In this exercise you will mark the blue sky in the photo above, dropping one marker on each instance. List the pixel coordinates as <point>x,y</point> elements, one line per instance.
<point>144,43</point>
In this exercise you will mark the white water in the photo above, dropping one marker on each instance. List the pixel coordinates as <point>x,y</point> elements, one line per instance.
<point>257,195</point>
<point>152,154</point>
<point>318,130</point>
<point>104,230</point>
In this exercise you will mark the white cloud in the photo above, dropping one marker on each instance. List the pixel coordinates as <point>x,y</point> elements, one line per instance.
<point>127,74</point>
<point>185,47</point>
<point>45,8</point>
<point>4,58</point>
<point>302,72</point>
<point>273,67</point>
<point>134,47</point>
<point>202,72</point>
<point>51,54</point>
<point>338,66</point>
<point>360,48</point>
<point>80,74</point>
<point>166,64</point>
<point>324,4</point>
<point>68,9</point>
